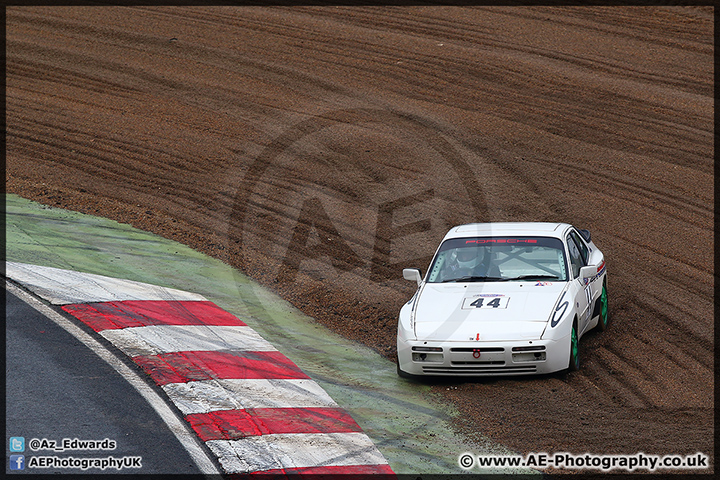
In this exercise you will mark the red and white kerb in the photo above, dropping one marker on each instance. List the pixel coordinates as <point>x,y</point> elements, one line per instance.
<point>252,406</point>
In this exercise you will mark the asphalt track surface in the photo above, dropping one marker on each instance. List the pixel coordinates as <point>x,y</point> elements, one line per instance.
<point>322,149</point>
<point>57,388</point>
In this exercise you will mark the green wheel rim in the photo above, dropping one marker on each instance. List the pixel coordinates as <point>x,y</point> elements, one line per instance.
<point>604,305</point>
<point>574,347</point>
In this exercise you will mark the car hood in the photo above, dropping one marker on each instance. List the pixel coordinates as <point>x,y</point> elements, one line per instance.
<point>443,311</point>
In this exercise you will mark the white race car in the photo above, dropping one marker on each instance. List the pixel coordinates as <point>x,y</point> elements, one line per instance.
<point>503,299</point>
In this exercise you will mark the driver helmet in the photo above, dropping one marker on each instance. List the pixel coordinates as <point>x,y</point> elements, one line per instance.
<point>468,257</point>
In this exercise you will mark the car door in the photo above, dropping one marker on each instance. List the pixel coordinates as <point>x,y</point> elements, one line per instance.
<point>582,292</point>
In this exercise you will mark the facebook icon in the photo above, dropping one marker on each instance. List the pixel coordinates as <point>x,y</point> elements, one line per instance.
<point>17,462</point>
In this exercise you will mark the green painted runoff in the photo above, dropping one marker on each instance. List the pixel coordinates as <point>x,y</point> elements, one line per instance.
<point>409,426</point>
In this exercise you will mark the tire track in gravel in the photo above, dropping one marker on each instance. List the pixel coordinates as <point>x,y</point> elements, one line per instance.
<point>639,192</point>
<point>180,121</point>
<point>101,158</point>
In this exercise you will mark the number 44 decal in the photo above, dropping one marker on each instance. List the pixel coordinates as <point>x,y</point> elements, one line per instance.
<point>485,302</point>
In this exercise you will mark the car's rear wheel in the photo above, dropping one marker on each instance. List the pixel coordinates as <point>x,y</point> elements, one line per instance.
<point>574,364</point>
<point>604,319</point>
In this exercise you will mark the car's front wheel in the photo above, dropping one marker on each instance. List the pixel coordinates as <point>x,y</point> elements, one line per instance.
<point>574,364</point>
<point>404,374</point>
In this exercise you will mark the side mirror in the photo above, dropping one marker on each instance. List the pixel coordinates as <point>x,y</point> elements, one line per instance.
<point>412,274</point>
<point>585,234</point>
<point>588,272</point>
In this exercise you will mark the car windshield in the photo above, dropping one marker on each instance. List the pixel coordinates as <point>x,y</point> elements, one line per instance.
<point>499,259</point>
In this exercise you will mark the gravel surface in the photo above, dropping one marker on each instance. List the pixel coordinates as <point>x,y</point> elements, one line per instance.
<point>322,149</point>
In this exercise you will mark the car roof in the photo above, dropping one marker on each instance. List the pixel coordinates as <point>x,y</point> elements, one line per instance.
<point>505,229</point>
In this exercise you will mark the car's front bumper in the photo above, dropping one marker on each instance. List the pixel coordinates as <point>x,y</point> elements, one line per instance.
<point>520,357</point>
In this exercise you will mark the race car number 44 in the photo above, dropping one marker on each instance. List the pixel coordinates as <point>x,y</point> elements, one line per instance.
<point>470,303</point>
